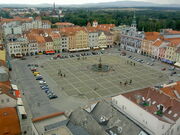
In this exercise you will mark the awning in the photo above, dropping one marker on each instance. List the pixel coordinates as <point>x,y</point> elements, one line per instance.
<point>21,110</point>
<point>14,87</point>
<point>17,93</point>
<point>79,49</point>
<point>103,46</point>
<point>177,64</point>
<point>167,61</point>
<point>19,101</point>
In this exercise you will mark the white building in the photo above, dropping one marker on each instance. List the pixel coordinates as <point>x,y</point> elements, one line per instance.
<point>93,37</point>
<point>12,29</point>
<point>46,24</point>
<point>18,46</point>
<point>64,42</point>
<point>131,39</point>
<point>151,109</point>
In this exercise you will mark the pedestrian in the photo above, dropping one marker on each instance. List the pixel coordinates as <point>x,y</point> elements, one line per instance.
<point>134,64</point>
<point>130,81</point>
<point>61,74</point>
<point>64,75</point>
<point>120,83</point>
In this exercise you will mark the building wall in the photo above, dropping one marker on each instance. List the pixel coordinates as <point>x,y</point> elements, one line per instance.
<point>49,46</point>
<point>102,40</point>
<point>155,51</point>
<point>14,48</point>
<point>3,55</point>
<point>93,39</point>
<point>81,39</point>
<point>162,52</point>
<point>57,44</point>
<point>143,118</point>
<point>109,39</point>
<point>33,48</point>
<point>170,53</point>
<point>6,101</point>
<point>64,42</point>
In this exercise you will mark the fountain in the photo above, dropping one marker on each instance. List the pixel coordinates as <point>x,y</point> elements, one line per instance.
<point>100,67</point>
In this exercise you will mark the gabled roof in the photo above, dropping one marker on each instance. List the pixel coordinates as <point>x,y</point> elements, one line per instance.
<point>156,97</point>
<point>9,122</point>
<point>157,43</point>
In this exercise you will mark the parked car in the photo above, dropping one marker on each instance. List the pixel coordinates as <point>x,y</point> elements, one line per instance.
<point>39,78</point>
<point>163,69</point>
<point>171,68</point>
<point>151,64</point>
<point>42,82</point>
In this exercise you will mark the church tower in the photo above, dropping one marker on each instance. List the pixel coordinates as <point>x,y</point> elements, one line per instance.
<point>134,25</point>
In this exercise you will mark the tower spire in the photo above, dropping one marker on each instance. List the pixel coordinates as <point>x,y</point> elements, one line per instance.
<point>134,21</point>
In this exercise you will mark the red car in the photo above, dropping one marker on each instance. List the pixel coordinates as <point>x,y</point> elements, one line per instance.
<point>58,55</point>
<point>33,69</point>
<point>163,69</point>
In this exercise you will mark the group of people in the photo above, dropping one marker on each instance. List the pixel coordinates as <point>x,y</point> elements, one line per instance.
<point>126,82</point>
<point>61,74</point>
<point>131,63</point>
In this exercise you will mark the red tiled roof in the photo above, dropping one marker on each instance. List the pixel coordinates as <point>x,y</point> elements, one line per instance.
<point>174,43</point>
<point>105,27</point>
<point>9,122</point>
<point>170,90</point>
<point>47,116</point>
<point>91,29</point>
<point>48,39</point>
<point>16,19</point>
<point>157,42</point>
<point>151,35</point>
<point>159,98</point>
<point>64,23</point>
<point>172,32</point>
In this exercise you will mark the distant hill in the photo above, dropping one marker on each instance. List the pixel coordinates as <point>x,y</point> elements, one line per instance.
<point>99,5</point>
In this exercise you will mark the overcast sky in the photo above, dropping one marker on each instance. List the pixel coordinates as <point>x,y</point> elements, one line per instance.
<point>80,1</point>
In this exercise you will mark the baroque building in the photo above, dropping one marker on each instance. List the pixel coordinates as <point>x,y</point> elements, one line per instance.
<point>131,38</point>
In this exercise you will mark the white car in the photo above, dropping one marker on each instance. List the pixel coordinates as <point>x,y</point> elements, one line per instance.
<point>42,82</point>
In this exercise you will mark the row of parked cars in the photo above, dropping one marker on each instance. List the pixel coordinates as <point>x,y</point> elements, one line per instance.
<point>142,61</point>
<point>77,55</point>
<point>43,85</point>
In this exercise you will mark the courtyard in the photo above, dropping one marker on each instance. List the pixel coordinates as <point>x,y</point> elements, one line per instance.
<point>74,78</point>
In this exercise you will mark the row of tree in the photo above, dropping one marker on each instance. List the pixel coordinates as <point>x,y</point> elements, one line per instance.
<point>147,19</point>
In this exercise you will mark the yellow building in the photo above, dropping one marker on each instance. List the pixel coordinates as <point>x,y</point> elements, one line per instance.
<point>78,38</point>
<point>147,43</point>
<point>170,53</point>
<point>2,53</point>
<point>102,40</point>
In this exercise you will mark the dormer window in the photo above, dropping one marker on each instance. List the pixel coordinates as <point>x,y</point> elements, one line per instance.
<point>175,115</point>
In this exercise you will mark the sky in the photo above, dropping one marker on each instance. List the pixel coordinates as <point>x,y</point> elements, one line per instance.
<point>80,1</point>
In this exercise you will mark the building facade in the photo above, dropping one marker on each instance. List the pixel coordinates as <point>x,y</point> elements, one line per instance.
<point>131,39</point>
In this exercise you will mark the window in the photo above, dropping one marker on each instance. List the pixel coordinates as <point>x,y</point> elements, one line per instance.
<point>7,99</point>
<point>2,101</point>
